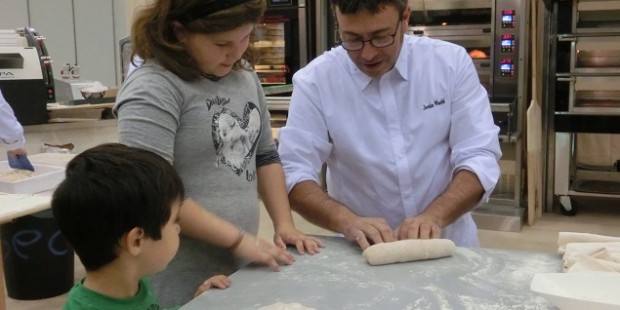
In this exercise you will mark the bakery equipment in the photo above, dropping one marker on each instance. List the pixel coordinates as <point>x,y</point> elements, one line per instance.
<point>584,78</point>
<point>74,92</point>
<point>26,77</point>
<point>495,35</point>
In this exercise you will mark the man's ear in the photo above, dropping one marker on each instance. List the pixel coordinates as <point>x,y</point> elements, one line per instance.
<point>134,240</point>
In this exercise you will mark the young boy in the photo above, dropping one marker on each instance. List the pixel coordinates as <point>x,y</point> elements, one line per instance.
<point>118,206</point>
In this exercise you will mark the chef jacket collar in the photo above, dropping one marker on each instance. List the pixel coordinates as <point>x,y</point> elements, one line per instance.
<point>401,67</point>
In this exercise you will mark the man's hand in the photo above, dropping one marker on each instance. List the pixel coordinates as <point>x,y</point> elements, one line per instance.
<point>365,229</point>
<point>418,227</point>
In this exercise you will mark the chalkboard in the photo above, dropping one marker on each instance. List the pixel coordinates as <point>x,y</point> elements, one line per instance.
<point>38,260</point>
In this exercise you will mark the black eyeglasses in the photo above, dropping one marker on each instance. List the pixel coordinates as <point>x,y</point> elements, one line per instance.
<point>378,42</point>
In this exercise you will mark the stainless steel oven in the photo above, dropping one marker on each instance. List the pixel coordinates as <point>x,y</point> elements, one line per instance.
<point>495,34</point>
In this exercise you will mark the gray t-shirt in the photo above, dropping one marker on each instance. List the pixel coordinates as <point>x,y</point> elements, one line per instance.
<point>215,133</point>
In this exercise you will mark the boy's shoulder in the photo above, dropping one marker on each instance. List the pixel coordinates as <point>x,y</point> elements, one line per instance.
<point>81,297</point>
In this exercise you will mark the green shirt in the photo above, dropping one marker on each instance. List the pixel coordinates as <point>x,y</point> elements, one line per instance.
<point>81,298</point>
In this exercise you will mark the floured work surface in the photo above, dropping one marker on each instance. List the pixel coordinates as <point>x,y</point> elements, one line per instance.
<point>340,278</point>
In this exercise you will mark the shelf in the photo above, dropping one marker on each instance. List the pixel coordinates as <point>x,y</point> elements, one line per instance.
<point>275,89</point>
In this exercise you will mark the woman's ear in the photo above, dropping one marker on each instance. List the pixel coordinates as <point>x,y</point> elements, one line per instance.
<point>135,240</point>
<point>179,31</point>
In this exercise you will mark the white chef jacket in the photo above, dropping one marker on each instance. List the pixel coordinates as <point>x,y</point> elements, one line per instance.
<point>11,131</point>
<point>392,144</point>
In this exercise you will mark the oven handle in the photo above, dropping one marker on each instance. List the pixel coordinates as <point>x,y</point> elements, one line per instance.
<point>567,37</point>
<point>566,79</point>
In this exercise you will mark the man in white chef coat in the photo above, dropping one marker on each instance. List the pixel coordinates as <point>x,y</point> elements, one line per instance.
<point>402,123</point>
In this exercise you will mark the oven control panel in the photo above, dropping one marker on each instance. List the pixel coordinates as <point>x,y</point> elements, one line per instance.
<point>508,21</point>
<point>506,67</point>
<point>508,43</point>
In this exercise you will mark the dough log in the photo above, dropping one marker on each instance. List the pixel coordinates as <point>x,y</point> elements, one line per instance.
<point>408,250</point>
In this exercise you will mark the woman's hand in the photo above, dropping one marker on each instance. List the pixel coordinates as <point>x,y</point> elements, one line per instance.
<point>289,235</point>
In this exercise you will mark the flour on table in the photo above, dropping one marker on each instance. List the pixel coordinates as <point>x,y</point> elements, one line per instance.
<point>283,306</point>
<point>15,175</point>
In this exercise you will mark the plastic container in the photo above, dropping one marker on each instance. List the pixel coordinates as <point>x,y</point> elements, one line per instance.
<point>43,179</point>
<point>38,260</point>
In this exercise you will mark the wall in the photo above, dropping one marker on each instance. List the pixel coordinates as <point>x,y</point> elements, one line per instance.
<point>83,32</point>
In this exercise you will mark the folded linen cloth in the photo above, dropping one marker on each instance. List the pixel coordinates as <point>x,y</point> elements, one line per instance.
<point>575,237</point>
<point>581,257</point>
<point>583,252</point>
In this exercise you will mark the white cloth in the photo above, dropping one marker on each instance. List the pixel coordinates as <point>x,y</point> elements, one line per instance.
<point>392,144</point>
<point>565,238</point>
<point>11,131</point>
<point>583,252</point>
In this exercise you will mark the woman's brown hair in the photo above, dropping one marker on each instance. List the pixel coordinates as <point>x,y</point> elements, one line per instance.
<point>153,37</point>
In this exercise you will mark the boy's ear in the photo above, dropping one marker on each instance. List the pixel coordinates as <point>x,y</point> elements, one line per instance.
<point>135,240</point>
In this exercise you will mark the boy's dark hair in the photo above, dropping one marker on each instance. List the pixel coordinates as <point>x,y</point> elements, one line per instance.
<point>153,37</point>
<point>108,190</point>
<point>372,6</point>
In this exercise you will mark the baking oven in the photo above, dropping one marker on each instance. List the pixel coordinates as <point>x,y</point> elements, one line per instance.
<point>281,40</point>
<point>495,35</point>
<point>586,94</point>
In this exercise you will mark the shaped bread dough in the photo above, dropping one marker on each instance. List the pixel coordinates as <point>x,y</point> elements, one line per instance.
<point>408,250</point>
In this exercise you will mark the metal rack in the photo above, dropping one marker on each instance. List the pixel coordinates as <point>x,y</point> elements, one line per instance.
<point>583,74</point>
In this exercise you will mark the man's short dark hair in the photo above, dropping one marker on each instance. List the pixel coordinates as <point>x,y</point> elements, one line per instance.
<point>108,190</point>
<point>372,6</point>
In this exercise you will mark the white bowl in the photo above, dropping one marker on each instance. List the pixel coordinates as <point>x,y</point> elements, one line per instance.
<point>579,290</point>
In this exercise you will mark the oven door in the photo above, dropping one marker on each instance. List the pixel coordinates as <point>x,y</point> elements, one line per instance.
<point>595,54</point>
<point>437,12</point>
<point>594,94</point>
<point>596,16</point>
<point>476,40</point>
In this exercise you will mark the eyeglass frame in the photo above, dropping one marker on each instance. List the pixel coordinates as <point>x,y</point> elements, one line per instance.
<point>363,42</point>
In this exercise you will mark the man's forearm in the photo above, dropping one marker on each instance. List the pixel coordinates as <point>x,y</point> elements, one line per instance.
<point>461,196</point>
<point>309,200</point>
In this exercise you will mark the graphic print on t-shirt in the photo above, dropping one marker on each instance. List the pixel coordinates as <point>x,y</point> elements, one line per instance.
<point>234,137</point>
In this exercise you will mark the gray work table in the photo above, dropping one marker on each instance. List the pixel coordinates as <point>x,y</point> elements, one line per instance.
<point>340,278</point>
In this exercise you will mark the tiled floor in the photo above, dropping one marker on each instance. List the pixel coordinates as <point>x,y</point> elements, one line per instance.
<point>598,217</point>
